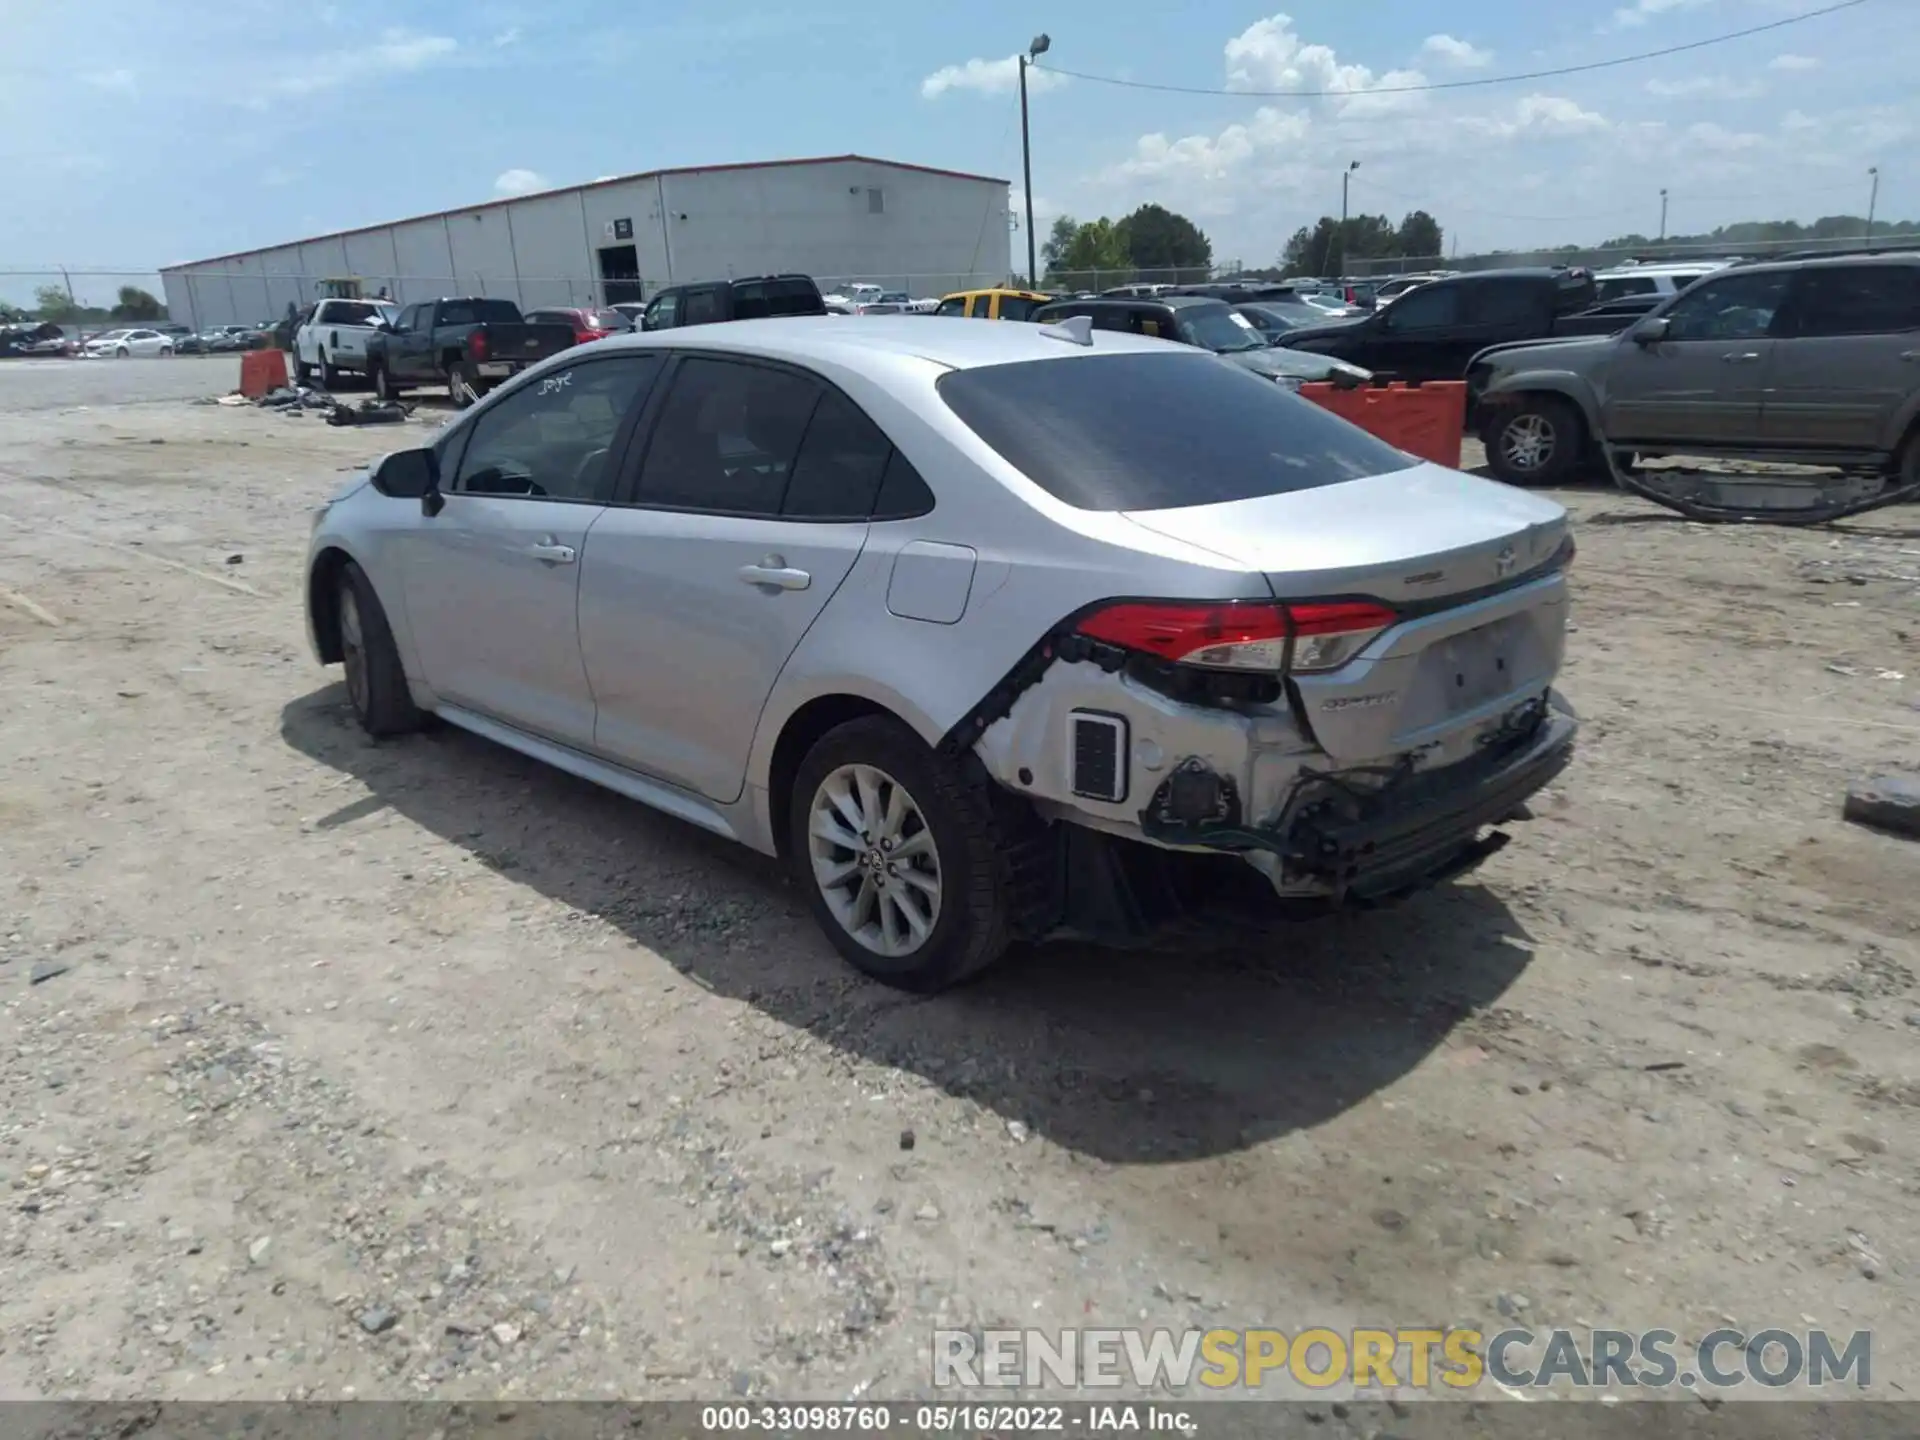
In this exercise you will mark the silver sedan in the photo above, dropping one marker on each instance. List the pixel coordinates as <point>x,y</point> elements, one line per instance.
<point>992,632</point>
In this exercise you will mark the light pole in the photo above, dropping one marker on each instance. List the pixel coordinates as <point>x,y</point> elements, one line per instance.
<point>1346,176</point>
<point>1873,199</point>
<point>1663,215</point>
<point>1041,44</point>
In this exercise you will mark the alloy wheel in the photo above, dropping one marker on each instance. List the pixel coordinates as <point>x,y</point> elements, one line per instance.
<point>1527,442</point>
<point>875,860</point>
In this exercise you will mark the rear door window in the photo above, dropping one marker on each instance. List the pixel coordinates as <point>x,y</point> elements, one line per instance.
<point>459,312</point>
<point>727,436</point>
<point>1017,307</point>
<point>1158,431</point>
<point>840,465</point>
<point>1506,304</point>
<point>1858,300</point>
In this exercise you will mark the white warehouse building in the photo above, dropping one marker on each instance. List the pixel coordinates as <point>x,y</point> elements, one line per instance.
<point>841,219</point>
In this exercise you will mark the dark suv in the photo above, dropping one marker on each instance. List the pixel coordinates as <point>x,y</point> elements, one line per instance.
<point>1813,360</point>
<point>753,297</point>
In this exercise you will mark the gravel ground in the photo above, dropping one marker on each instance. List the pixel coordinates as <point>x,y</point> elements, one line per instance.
<point>419,1070</point>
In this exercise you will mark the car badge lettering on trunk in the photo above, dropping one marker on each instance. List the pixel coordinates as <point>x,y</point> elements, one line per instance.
<point>1504,562</point>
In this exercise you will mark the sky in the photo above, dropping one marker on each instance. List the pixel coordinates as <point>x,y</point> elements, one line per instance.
<point>135,134</point>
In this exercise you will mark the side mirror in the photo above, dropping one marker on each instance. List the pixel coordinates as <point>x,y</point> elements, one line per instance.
<point>1650,331</point>
<point>407,475</point>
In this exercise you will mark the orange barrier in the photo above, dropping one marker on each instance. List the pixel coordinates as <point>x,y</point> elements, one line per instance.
<point>1422,419</point>
<point>261,371</point>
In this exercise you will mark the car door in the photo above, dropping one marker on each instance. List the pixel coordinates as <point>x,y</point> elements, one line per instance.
<point>1495,311</point>
<point>1847,358</point>
<point>1403,339</point>
<point>953,305</point>
<point>739,520</point>
<point>703,305</point>
<point>1702,382</point>
<point>409,348</point>
<point>492,581</point>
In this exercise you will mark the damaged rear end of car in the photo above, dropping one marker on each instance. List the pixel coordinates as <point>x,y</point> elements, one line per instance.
<point>1342,707</point>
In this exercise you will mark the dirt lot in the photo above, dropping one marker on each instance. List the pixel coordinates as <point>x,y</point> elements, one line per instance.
<point>417,1069</point>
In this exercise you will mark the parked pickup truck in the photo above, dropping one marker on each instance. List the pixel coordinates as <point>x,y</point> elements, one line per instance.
<point>1433,332</point>
<point>332,338</point>
<point>469,345</point>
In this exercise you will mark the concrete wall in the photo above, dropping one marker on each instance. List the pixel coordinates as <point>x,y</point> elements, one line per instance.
<point>839,222</point>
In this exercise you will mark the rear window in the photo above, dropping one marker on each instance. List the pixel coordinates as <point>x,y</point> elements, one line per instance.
<point>352,312</point>
<point>1158,432</point>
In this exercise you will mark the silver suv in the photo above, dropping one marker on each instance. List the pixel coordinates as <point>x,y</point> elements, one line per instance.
<point>1814,361</point>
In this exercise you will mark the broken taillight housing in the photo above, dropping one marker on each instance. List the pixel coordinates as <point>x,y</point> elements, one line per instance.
<point>477,346</point>
<point>1263,635</point>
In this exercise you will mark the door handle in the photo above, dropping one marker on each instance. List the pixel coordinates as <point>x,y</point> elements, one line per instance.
<point>1910,354</point>
<point>1741,357</point>
<point>552,553</point>
<point>775,573</point>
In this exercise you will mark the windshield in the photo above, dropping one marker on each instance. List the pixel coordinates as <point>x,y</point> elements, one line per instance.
<point>1157,431</point>
<point>1216,328</point>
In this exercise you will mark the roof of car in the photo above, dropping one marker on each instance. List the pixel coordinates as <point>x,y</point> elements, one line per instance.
<point>950,341</point>
<point>995,290</point>
<point>1125,301</point>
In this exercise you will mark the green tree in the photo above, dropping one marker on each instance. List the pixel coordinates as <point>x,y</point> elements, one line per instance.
<point>55,304</point>
<point>137,304</point>
<point>1157,239</point>
<point>1420,236</point>
<point>1059,238</point>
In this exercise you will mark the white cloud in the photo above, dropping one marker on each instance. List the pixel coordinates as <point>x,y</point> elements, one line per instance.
<point>1793,62</point>
<point>1456,52</point>
<point>519,182</point>
<point>396,52</point>
<point>1716,87</point>
<point>1214,157</point>
<point>987,77</point>
<point>1710,136</point>
<point>1641,11</point>
<point>1799,121</point>
<point>1269,55</point>
<point>121,81</point>
<point>508,36</point>
<point>1539,116</point>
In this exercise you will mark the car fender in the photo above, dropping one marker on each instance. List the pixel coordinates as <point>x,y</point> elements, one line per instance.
<point>370,550</point>
<point>1545,379</point>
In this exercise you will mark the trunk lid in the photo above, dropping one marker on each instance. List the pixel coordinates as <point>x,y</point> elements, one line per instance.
<point>1467,564</point>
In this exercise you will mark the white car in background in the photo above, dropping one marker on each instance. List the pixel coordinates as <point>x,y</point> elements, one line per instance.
<point>121,344</point>
<point>333,339</point>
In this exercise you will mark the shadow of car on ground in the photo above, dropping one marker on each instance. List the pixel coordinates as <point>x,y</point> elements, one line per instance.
<point>1124,1056</point>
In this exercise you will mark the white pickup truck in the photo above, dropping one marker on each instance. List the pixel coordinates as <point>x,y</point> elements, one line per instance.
<point>333,338</point>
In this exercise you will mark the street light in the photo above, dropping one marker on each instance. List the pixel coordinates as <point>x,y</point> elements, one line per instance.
<point>1663,215</point>
<point>1873,199</point>
<point>1346,176</point>
<point>1041,44</point>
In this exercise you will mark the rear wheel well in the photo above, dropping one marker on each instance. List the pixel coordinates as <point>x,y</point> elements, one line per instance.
<point>323,602</point>
<point>451,358</point>
<point>800,734</point>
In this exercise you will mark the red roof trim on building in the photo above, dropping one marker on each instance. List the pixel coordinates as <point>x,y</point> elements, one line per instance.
<point>595,185</point>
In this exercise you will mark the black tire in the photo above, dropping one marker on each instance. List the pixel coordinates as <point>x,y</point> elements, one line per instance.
<point>376,681</point>
<point>1907,466</point>
<point>970,929</point>
<point>460,385</point>
<point>1536,442</point>
<point>383,385</point>
<point>329,377</point>
<point>302,372</point>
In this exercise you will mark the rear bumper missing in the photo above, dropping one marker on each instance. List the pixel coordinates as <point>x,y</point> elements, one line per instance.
<point>1368,847</point>
<point>1344,840</point>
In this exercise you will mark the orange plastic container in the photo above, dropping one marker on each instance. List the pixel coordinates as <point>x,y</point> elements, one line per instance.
<point>261,371</point>
<point>1427,419</point>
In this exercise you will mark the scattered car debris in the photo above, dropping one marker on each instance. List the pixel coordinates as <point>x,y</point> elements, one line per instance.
<point>369,412</point>
<point>1886,802</point>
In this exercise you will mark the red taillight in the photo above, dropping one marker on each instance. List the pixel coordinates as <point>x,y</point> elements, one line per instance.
<point>477,345</point>
<point>1242,635</point>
